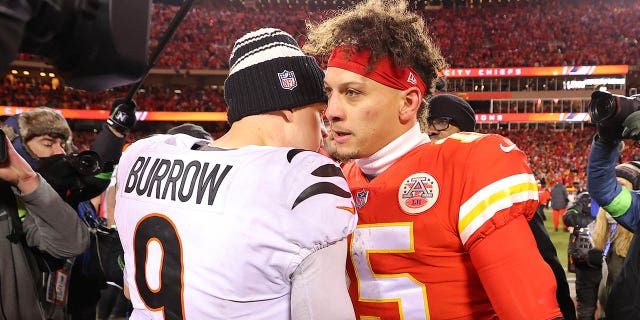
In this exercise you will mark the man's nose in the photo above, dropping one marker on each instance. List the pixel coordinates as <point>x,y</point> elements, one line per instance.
<point>58,149</point>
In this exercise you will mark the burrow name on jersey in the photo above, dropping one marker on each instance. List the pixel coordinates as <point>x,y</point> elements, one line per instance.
<point>175,178</point>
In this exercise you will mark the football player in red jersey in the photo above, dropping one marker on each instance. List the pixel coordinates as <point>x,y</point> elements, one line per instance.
<point>442,230</point>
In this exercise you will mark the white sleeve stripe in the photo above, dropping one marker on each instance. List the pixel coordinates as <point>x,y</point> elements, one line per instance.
<point>493,188</point>
<point>266,53</point>
<point>495,197</point>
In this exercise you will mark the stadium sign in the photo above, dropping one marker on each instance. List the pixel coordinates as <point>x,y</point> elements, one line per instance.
<point>536,71</point>
<point>532,117</point>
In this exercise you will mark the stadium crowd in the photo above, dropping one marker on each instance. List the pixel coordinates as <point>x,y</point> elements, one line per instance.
<point>34,91</point>
<point>21,90</point>
<point>549,33</point>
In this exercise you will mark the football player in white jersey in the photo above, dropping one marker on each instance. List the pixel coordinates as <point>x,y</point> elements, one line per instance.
<point>253,225</point>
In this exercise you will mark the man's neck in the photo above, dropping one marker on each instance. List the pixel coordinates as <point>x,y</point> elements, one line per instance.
<point>385,157</point>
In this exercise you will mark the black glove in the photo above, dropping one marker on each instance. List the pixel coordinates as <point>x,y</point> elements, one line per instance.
<point>609,134</point>
<point>631,126</point>
<point>123,115</point>
<point>595,258</point>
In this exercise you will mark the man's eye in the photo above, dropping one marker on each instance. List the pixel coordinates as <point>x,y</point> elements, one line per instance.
<point>351,92</point>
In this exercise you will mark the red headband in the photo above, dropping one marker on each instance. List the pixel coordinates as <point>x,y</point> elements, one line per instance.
<point>384,71</point>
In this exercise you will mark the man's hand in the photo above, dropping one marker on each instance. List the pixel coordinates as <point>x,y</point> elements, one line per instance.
<point>17,171</point>
<point>123,115</point>
<point>609,134</point>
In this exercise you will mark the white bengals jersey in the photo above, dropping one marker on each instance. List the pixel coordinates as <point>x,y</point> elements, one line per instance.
<point>217,234</point>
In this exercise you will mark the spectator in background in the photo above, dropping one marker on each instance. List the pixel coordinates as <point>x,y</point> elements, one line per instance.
<point>452,110</point>
<point>446,114</point>
<point>585,258</point>
<point>429,195</point>
<point>559,202</point>
<point>614,240</point>
<point>35,224</point>
<point>543,197</point>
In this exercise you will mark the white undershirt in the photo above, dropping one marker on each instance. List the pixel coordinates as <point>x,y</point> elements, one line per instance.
<point>385,157</point>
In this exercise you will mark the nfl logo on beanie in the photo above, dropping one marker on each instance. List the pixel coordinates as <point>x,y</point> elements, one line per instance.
<point>288,80</point>
<point>269,72</point>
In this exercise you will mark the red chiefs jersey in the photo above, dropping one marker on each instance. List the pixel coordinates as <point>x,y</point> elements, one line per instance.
<point>409,256</point>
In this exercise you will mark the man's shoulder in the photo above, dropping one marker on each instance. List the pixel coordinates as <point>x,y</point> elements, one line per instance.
<point>468,150</point>
<point>474,140</point>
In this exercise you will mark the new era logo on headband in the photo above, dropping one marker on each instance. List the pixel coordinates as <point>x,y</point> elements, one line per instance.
<point>287,80</point>
<point>412,79</point>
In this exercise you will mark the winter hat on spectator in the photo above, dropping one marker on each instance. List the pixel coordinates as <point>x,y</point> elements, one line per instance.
<point>630,171</point>
<point>269,72</point>
<point>454,107</point>
<point>25,126</point>
<point>191,129</point>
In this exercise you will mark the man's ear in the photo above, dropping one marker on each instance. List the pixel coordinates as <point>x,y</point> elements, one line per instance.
<point>287,114</point>
<point>411,103</point>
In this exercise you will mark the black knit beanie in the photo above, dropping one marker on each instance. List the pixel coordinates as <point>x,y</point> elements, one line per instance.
<point>452,106</point>
<point>269,72</point>
<point>630,171</point>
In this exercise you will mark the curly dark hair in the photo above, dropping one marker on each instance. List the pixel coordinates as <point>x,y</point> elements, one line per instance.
<point>387,29</point>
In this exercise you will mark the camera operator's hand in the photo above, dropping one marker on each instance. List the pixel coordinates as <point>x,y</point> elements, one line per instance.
<point>631,126</point>
<point>123,115</point>
<point>609,134</point>
<point>17,171</point>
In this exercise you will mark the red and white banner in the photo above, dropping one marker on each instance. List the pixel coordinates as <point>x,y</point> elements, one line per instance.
<point>536,71</point>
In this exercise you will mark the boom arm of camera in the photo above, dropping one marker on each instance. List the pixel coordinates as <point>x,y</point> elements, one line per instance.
<point>175,22</point>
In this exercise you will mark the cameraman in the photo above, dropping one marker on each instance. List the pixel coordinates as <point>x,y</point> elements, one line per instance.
<point>615,119</point>
<point>621,203</point>
<point>48,224</point>
<point>584,260</point>
<point>43,138</point>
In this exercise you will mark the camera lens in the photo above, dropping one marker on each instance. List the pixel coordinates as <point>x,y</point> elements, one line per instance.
<point>602,106</point>
<point>87,163</point>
